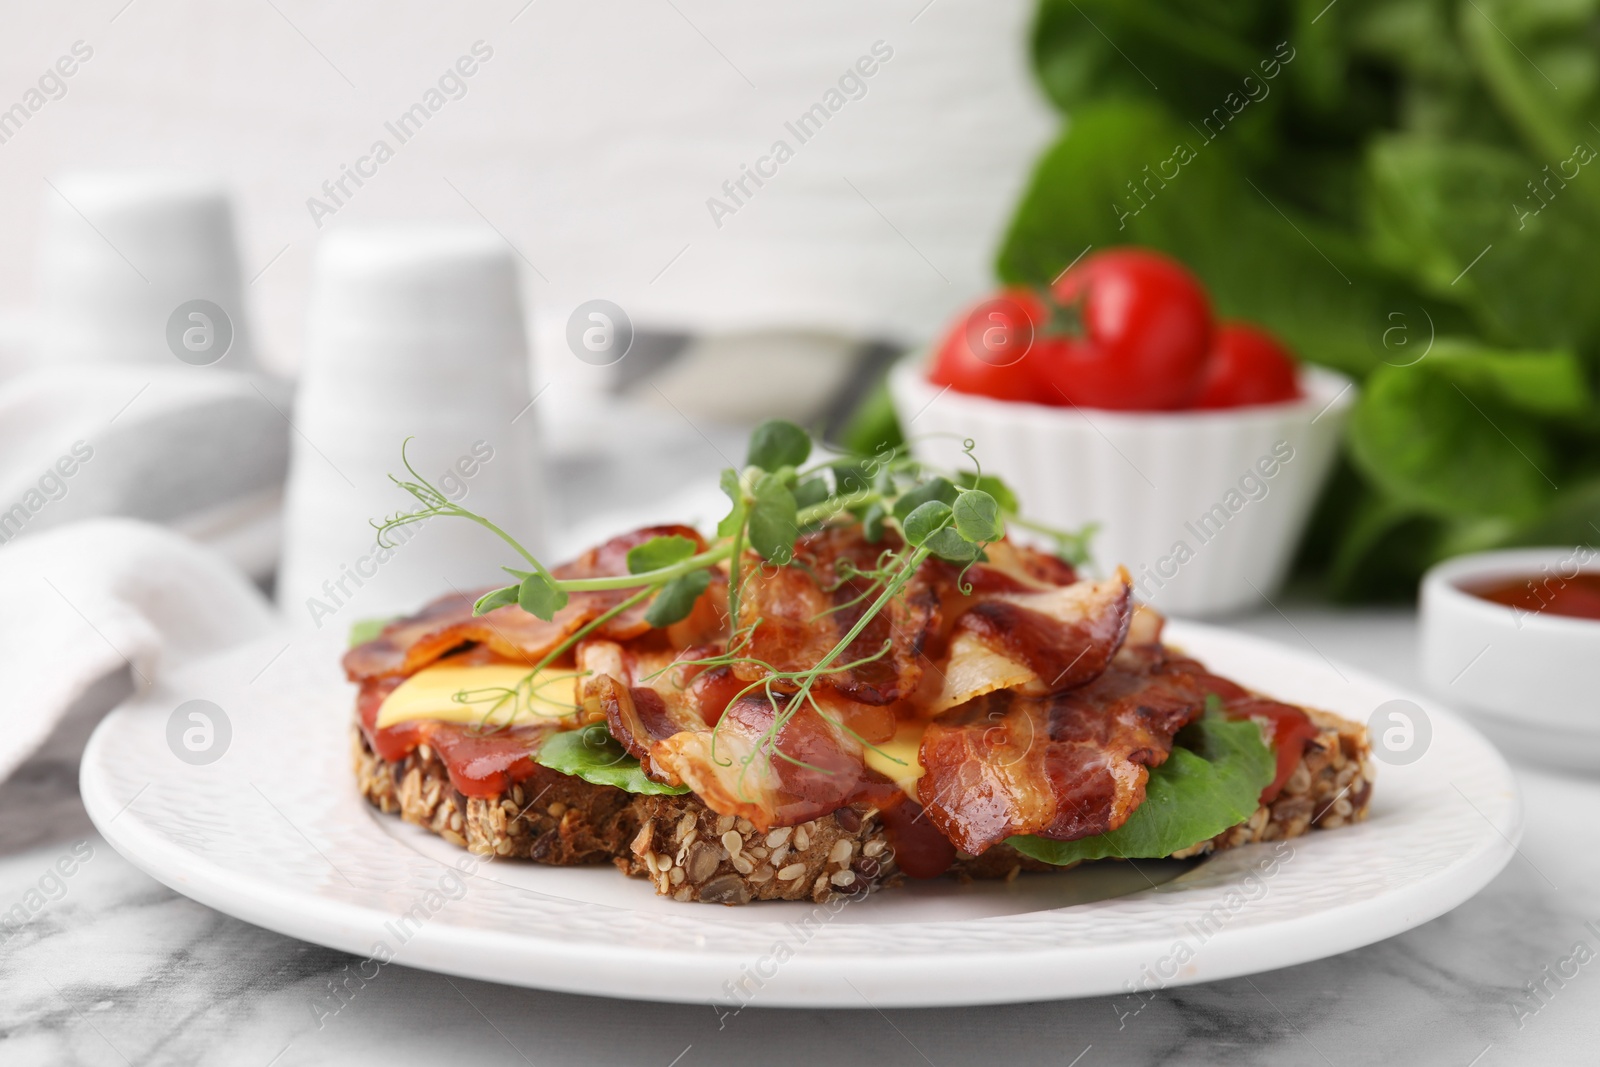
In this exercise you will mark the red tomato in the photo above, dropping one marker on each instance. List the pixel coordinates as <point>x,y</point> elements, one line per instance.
<point>1137,328</point>
<point>989,352</point>
<point>1246,366</point>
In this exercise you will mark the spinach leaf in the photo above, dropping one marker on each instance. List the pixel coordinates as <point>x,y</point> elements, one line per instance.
<point>1550,382</point>
<point>1463,221</point>
<point>1423,440</point>
<point>1212,780</point>
<point>1537,60</point>
<point>595,756</point>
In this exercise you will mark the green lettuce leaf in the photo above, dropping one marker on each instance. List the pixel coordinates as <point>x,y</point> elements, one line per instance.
<point>1427,443</point>
<point>1212,780</point>
<point>595,756</point>
<point>364,630</point>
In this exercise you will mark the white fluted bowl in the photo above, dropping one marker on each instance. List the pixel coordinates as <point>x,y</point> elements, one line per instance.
<point>1204,508</point>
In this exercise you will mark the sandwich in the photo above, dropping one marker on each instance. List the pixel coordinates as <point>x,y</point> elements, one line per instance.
<point>861,677</point>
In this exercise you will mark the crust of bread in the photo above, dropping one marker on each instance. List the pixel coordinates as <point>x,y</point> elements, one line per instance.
<point>691,853</point>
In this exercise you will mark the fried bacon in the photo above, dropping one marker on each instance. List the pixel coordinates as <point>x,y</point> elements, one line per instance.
<point>407,645</point>
<point>1044,642</point>
<point>1063,766</point>
<point>807,608</point>
<point>808,768</point>
<point>648,695</point>
<point>663,707</point>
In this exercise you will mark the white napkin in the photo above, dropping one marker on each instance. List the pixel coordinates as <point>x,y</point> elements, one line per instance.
<point>85,600</point>
<point>198,448</point>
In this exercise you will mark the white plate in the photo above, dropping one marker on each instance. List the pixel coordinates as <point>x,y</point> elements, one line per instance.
<point>273,832</point>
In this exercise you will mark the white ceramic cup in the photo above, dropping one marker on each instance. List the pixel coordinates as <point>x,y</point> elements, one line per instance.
<point>140,268</point>
<point>414,332</point>
<point>1204,508</point>
<point>1534,675</point>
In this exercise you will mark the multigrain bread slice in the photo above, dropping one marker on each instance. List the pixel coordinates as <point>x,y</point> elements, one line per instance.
<point>687,850</point>
<point>691,853</point>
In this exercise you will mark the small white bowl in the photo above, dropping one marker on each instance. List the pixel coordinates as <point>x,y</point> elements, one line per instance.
<point>1520,669</point>
<point>1204,508</point>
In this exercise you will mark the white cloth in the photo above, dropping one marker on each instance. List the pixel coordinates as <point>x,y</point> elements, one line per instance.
<point>87,599</point>
<point>201,449</point>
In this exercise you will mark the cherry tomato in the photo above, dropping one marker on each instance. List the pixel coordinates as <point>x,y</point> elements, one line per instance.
<point>989,351</point>
<point>1246,366</point>
<point>1137,326</point>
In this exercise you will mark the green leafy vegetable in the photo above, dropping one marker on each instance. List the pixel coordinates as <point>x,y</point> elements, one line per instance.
<point>937,488</point>
<point>774,521</point>
<point>977,516</point>
<point>659,552</point>
<point>1212,780</point>
<point>364,630</point>
<point>677,598</point>
<point>734,520</point>
<point>1477,457</point>
<point>811,491</point>
<point>872,523</point>
<point>996,488</point>
<point>538,596</point>
<point>924,520</point>
<point>595,756</point>
<point>948,544</point>
<point>777,443</point>
<point>496,598</point>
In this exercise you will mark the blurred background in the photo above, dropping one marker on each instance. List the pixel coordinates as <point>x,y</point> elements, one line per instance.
<point>774,203</point>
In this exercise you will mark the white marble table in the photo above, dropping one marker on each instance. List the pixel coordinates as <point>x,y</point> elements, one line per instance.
<point>121,970</point>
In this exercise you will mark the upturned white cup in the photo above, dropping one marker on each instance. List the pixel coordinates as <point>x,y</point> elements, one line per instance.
<point>413,332</point>
<point>140,268</point>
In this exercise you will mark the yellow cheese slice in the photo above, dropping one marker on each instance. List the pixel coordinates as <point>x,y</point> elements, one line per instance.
<point>476,694</point>
<point>904,747</point>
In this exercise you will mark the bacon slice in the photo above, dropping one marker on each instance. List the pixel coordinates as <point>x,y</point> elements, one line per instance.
<point>664,709</point>
<point>1010,568</point>
<point>1042,642</point>
<point>407,645</point>
<point>1063,766</point>
<point>809,768</point>
<point>806,608</point>
<point>648,695</point>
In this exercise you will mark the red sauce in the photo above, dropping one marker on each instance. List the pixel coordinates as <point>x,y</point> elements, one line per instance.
<point>1291,729</point>
<point>481,763</point>
<point>920,850</point>
<point>1577,597</point>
